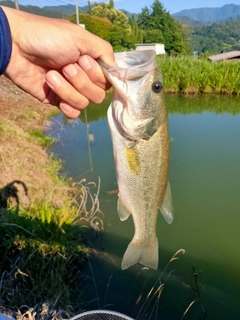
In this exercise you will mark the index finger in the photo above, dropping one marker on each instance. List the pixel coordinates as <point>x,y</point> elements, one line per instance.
<point>96,47</point>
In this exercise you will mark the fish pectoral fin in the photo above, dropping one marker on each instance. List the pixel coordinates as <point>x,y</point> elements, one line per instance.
<point>167,206</point>
<point>123,212</point>
<point>146,255</point>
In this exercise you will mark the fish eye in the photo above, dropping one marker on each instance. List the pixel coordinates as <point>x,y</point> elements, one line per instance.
<point>157,86</point>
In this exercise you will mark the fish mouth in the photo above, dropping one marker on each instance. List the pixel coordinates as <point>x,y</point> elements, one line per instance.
<point>130,66</point>
<point>132,126</point>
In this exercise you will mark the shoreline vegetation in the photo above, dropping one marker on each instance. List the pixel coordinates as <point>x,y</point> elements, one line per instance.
<point>44,218</point>
<point>188,75</point>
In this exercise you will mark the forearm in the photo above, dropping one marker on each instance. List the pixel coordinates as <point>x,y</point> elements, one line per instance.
<point>5,42</point>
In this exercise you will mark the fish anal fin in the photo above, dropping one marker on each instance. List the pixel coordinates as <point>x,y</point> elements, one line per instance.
<point>123,212</point>
<point>167,206</point>
<point>146,255</point>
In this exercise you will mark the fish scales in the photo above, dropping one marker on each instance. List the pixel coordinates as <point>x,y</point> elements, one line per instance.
<point>138,124</point>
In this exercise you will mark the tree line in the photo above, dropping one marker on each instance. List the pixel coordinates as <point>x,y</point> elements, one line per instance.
<point>153,25</point>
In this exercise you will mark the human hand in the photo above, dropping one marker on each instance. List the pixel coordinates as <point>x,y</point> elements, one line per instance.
<point>54,61</point>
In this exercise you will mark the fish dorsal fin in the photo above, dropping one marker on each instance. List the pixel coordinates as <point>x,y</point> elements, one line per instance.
<point>123,212</point>
<point>167,206</point>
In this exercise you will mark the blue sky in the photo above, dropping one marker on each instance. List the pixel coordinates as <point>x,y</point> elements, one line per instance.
<point>135,6</point>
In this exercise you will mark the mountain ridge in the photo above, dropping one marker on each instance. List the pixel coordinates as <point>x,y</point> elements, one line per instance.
<point>67,9</point>
<point>210,15</point>
<point>205,15</point>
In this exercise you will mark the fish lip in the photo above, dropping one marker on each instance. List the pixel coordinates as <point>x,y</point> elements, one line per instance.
<point>128,71</point>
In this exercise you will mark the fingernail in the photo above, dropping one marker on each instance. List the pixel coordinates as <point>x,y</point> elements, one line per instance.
<point>70,70</point>
<point>86,63</point>
<point>54,81</point>
<point>66,107</point>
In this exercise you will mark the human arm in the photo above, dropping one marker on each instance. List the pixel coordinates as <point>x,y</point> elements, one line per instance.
<point>54,60</point>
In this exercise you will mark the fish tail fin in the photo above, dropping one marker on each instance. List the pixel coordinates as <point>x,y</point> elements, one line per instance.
<point>146,255</point>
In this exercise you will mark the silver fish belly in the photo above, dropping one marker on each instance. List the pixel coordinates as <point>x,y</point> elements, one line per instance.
<point>138,124</point>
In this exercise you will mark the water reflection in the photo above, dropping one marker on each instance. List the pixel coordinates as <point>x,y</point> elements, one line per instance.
<point>181,104</point>
<point>205,181</point>
<point>217,104</point>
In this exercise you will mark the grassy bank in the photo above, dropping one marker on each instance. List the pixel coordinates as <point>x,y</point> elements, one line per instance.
<point>189,75</point>
<point>43,217</point>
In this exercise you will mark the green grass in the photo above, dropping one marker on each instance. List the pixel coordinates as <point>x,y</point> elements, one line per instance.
<point>41,138</point>
<point>42,255</point>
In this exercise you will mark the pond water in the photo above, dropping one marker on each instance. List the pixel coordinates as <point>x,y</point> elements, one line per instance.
<point>205,180</point>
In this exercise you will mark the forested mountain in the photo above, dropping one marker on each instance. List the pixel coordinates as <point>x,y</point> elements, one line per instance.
<point>66,9</point>
<point>210,14</point>
<point>217,38</point>
<point>212,30</point>
<point>48,11</point>
<point>188,21</point>
<point>34,9</point>
<point>69,9</point>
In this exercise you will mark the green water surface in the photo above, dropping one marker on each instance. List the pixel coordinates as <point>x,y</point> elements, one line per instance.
<point>205,180</point>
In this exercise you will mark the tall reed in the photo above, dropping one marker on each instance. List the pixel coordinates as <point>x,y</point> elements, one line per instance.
<point>190,75</point>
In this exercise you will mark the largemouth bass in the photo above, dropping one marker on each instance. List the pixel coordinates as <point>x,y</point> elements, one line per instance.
<point>138,122</point>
